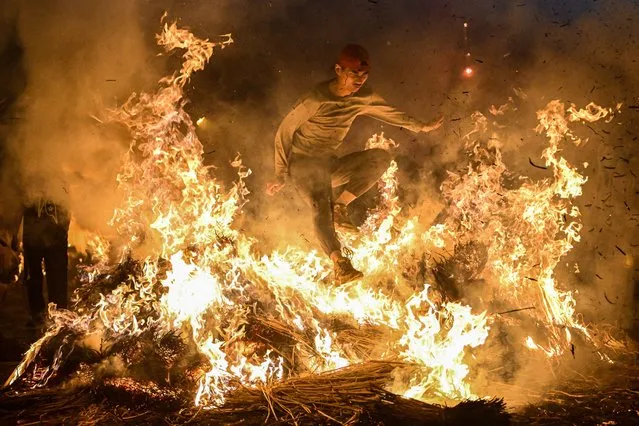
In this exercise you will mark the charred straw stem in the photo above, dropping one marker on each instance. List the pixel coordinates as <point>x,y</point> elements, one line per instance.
<point>516,310</point>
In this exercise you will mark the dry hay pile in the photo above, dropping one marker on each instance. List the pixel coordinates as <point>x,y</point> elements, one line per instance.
<point>352,395</point>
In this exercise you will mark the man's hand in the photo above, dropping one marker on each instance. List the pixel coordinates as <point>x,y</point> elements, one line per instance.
<point>433,126</point>
<point>275,186</point>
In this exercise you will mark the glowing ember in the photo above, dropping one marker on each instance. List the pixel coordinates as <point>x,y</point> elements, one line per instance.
<point>468,72</point>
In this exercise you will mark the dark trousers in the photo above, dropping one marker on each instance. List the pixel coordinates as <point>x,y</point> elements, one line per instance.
<point>55,264</point>
<point>321,180</point>
<point>45,239</point>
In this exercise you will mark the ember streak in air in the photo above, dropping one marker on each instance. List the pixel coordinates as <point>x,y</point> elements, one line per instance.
<point>468,70</point>
<point>191,274</point>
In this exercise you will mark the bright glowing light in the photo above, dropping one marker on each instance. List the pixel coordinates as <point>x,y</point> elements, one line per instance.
<point>468,72</point>
<point>200,121</point>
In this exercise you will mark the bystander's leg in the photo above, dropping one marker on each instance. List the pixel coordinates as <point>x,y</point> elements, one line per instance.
<point>56,262</point>
<point>33,276</point>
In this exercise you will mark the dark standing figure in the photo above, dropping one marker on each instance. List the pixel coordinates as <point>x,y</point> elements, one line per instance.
<point>45,239</point>
<point>306,147</point>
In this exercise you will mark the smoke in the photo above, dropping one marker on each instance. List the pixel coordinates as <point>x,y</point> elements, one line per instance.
<point>77,59</point>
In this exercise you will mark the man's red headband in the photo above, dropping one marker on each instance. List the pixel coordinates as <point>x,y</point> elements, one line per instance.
<point>354,57</point>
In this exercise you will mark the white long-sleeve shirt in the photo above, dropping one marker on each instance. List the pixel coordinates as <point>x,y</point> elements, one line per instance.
<point>320,120</point>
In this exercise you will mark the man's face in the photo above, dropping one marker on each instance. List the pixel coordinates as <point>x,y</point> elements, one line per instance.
<point>351,80</point>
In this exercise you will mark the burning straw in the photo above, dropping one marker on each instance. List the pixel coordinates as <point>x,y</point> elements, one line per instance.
<point>336,395</point>
<point>351,395</point>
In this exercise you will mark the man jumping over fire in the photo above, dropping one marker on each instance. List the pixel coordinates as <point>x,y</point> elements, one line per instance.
<point>306,147</point>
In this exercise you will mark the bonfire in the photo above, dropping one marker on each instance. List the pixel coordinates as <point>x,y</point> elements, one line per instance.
<point>182,319</point>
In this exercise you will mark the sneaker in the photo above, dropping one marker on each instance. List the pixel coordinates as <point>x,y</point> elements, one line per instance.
<point>342,219</point>
<point>344,271</point>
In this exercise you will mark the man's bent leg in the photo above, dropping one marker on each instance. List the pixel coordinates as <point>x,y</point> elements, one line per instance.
<point>355,174</point>
<point>325,231</point>
<point>323,221</point>
<point>313,182</point>
<point>358,172</point>
<point>311,177</point>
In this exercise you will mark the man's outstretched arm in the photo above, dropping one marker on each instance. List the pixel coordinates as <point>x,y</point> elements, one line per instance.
<point>382,111</point>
